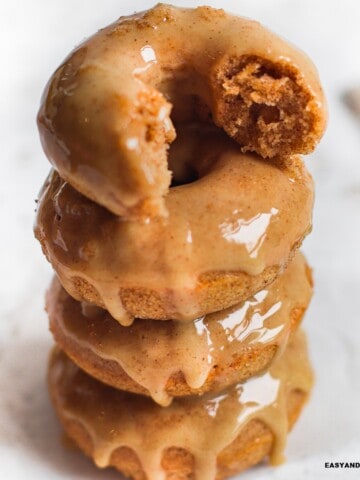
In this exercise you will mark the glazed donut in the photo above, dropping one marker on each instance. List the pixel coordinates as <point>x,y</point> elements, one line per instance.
<point>105,120</point>
<point>206,437</point>
<point>167,359</point>
<point>228,234</point>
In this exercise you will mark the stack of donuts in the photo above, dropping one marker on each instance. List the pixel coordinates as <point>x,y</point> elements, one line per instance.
<point>173,217</point>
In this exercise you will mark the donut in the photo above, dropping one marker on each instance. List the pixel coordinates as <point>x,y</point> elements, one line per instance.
<point>170,359</point>
<point>111,110</point>
<point>206,437</point>
<point>227,235</point>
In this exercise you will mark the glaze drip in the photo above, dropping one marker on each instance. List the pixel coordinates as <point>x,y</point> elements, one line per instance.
<point>150,352</point>
<point>204,426</point>
<point>244,232</point>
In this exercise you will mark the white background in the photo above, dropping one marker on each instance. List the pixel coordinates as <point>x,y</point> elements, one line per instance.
<point>35,36</point>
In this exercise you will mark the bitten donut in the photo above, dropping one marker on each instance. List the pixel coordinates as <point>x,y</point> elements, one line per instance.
<point>171,359</point>
<point>208,437</point>
<point>228,234</point>
<point>111,110</point>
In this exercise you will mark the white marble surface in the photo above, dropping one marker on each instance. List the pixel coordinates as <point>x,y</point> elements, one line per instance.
<point>35,36</point>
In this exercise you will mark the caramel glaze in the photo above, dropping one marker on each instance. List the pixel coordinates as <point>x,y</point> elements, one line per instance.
<point>105,116</point>
<point>244,215</point>
<point>150,352</point>
<point>204,426</point>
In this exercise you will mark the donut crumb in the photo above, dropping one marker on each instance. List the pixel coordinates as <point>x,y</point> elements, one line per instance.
<point>265,107</point>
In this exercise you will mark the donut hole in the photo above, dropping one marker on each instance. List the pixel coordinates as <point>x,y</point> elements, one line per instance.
<point>190,108</point>
<point>191,116</point>
<point>187,92</point>
<point>181,157</point>
<point>183,175</point>
<point>195,151</point>
<point>264,107</point>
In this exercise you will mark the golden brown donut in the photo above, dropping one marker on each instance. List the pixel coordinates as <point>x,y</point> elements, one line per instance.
<point>227,235</point>
<point>105,121</point>
<point>169,359</point>
<point>206,437</point>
